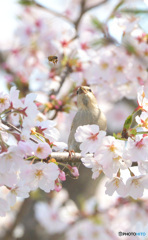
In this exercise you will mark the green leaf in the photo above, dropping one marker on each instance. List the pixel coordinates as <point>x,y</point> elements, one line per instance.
<point>114,135</point>
<point>117,136</point>
<point>98,42</point>
<point>116,8</point>
<point>134,11</point>
<point>128,122</point>
<point>26,2</point>
<point>131,49</point>
<point>132,132</point>
<point>97,24</point>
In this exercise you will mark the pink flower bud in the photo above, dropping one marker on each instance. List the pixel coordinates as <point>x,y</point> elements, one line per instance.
<point>52,97</point>
<point>62,176</point>
<point>60,102</point>
<point>75,172</point>
<point>56,107</point>
<point>58,186</point>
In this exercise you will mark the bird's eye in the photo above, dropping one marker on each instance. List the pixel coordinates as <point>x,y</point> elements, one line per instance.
<point>89,90</point>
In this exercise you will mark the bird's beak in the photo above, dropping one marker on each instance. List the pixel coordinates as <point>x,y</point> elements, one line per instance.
<point>82,90</point>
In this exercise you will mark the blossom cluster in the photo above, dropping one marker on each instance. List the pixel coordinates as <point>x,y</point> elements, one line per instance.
<point>110,67</point>
<point>92,221</point>
<point>25,162</point>
<point>117,156</point>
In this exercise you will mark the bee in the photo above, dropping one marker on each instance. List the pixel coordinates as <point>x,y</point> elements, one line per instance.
<point>53,59</point>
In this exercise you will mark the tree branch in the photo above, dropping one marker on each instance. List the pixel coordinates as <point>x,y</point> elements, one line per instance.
<point>76,23</point>
<point>84,10</point>
<point>95,5</point>
<point>16,129</point>
<point>63,76</point>
<point>52,12</point>
<point>59,156</point>
<point>64,157</point>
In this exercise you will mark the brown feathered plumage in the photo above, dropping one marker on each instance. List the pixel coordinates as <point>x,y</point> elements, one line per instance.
<point>88,113</point>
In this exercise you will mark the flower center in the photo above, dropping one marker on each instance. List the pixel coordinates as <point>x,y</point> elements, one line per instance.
<point>104,65</point>
<point>119,68</point>
<point>112,148</point>
<point>140,144</point>
<point>2,100</point>
<point>93,136</point>
<point>135,182</point>
<point>39,150</point>
<point>116,182</point>
<point>39,173</point>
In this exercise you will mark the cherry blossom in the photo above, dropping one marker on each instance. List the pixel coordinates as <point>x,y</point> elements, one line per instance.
<point>23,108</point>
<point>19,190</point>
<point>116,184</point>
<point>128,24</point>
<point>90,136</point>
<point>43,175</point>
<point>134,148</point>
<point>92,162</point>
<point>142,120</point>
<point>88,53</point>
<point>142,100</point>
<point>10,160</point>
<point>26,147</point>
<point>135,186</point>
<point>14,98</point>
<point>109,151</point>
<point>50,218</point>
<point>4,101</point>
<point>92,231</point>
<point>47,128</point>
<point>8,178</point>
<point>42,150</point>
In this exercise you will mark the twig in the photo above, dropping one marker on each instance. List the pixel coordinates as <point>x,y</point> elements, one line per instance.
<point>16,129</point>
<point>63,76</point>
<point>84,10</point>
<point>95,5</point>
<point>76,23</point>
<point>115,9</point>
<point>52,12</point>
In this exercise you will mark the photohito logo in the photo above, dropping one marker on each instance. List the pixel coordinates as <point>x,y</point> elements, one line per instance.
<point>131,234</point>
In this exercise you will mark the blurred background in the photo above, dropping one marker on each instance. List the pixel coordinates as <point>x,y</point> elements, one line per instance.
<point>103,44</point>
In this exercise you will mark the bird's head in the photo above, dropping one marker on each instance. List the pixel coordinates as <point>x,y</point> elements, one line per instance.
<point>86,98</point>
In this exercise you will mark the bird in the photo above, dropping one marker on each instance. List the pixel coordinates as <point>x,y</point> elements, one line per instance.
<point>88,113</point>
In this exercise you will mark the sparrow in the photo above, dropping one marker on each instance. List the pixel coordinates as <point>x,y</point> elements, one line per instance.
<point>88,113</point>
